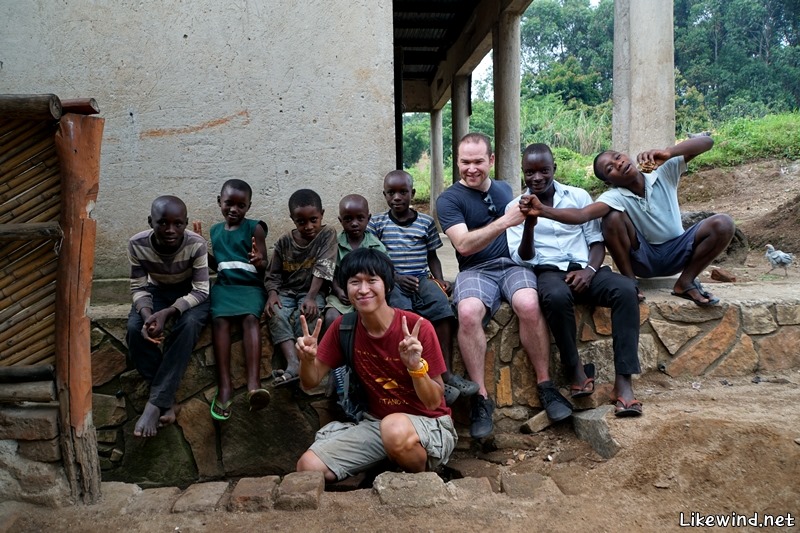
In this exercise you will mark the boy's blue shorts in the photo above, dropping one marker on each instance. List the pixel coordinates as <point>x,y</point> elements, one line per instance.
<point>429,301</point>
<point>665,259</point>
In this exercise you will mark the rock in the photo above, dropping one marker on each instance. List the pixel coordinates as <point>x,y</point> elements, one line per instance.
<point>601,396</point>
<point>300,491</point>
<point>723,275</point>
<point>602,320</point>
<point>779,351</point>
<point>136,389</point>
<point>201,497</point>
<point>685,311</point>
<point>195,420</point>
<point>537,423</point>
<point>741,361</point>
<point>592,427</point>
<point>503,315</point>
<point>116,327</point>
<point>419,491</point>
<point>254,494</point>
<point>165,459</point>
<point>196,378</point>
<point>108,410</point>
<point>524,379</point>
<point>47,451</point>
<point>96,337</point>
<point>509,340</point>
<point>31,422</point>
<point>757,319</point>
<point>153,501</point>
<point>116,495</point>
<point>673,336</point>
<point>787,314</point>
<point>526,486</point>
<point>8,517</point>
<point>503,393</point>
<point>694,360</point>
<point>107,436</point>
<point>268,441</point>
<point>470,467</point>
<point>107,363</point>
<point>469,488</point>
<point>30,481</point>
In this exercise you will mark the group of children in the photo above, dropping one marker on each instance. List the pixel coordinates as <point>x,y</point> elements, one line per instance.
<point>299,280</point>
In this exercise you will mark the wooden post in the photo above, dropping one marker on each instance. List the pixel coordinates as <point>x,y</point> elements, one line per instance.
<point>78,147</point>
<point>30,106</point>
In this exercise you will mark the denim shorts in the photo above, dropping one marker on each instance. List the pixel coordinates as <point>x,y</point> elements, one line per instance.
<point>348,448</point>
<point>284,325</point>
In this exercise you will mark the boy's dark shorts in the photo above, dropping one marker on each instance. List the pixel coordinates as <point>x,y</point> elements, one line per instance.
<point>430,301</point>
<point>665,259</point>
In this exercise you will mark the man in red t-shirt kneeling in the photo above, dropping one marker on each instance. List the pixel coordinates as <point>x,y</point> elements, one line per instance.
<point>399,362</point>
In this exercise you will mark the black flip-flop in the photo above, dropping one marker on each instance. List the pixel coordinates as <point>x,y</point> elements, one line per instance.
<point>712,300</point>
<point>258,399</point>
<point>284,378</point>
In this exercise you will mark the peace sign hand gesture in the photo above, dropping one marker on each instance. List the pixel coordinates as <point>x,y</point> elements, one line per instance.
<point>307,344</point>
<point>410,347</point>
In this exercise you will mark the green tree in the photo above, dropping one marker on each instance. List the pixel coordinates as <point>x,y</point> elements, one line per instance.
<point>416,137</point>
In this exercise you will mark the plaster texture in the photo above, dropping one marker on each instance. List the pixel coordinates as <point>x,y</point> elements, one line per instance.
<point>644,77</point>
<point>284,95</point>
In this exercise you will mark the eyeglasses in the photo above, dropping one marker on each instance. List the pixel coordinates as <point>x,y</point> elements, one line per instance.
<point>487,199</point>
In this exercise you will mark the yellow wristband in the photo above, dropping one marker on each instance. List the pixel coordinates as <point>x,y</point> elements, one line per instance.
<point>420,372</point>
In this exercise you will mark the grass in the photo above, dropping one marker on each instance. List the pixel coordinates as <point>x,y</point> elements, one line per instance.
<point>744,139</point>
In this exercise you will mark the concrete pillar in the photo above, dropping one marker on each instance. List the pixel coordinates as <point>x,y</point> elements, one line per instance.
<point>461,112</point>
<point>437,159</point>
<point>506,44</point>
<point>644,76</point>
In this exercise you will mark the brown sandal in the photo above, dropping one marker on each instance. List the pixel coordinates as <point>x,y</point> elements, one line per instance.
<point>631,408</point>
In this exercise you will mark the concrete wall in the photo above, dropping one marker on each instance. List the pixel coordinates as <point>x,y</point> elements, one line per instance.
<point>282,94</point>
<point>644,76</point>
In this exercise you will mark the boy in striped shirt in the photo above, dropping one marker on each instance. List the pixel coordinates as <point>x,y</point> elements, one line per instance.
<point>411,240</point>
<point>169,283</point>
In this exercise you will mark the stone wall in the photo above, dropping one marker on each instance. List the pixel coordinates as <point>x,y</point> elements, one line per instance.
<point>677,338</point>
<point>30,454</point>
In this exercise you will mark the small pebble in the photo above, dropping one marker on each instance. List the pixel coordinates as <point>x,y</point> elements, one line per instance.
<point>797,441</point>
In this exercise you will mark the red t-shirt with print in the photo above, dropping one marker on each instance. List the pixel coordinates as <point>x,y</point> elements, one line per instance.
<point>388,385</point>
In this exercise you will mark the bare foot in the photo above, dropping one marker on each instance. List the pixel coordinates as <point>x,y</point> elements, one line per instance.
<point>169,416</point>
<point>147,426</point>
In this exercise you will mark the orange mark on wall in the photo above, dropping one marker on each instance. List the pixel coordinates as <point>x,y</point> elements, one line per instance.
<point>165,132</point>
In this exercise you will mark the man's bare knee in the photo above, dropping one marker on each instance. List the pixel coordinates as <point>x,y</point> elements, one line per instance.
<point>309,462</point>
<point>470,313</point>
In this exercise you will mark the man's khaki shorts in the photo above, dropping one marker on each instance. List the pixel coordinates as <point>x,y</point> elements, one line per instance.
<point>348,448</point>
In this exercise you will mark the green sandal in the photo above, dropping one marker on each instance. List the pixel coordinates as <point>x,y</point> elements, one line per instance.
<point>221,411</point>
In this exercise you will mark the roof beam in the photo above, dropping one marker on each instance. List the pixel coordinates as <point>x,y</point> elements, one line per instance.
<point>474,42</point>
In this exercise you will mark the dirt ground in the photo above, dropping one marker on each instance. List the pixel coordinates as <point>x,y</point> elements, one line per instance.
<point>764,200</point>
<point>711,446</point>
